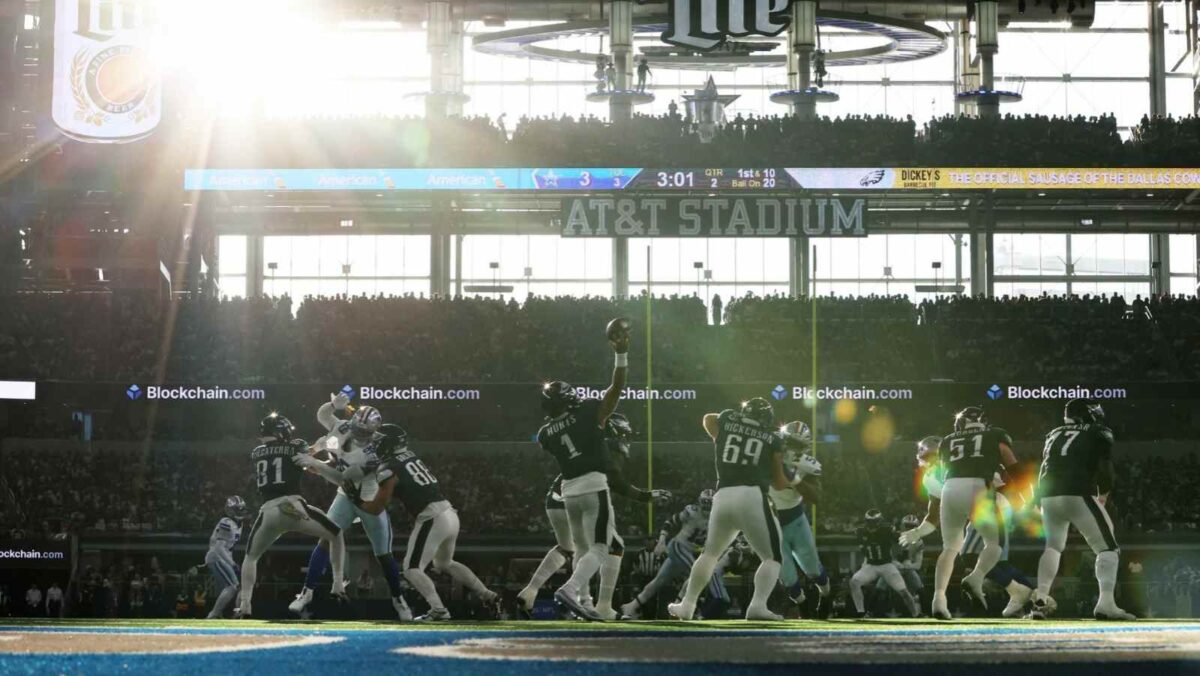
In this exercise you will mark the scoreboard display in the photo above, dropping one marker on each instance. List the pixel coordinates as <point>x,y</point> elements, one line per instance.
<point>714,179</point>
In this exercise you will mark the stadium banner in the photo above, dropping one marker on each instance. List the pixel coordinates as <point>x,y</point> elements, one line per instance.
<point>704,25</point>
<point>994,178</point>
<point>815,216</point>
<point>25,554</point>
<point>107,88</point>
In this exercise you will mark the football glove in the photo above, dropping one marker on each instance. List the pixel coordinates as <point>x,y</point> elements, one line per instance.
<point>340,401</point>
<point>660,549</point>
<point>806,465</point>
<point>911,537</point>
<point>660,496</point>
<point>353,492</point>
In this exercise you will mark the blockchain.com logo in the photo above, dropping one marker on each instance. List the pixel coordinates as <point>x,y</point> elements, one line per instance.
<point>995,392</point>
<point>348,391</point>
<point>779,393</point>
<point>134,393</point>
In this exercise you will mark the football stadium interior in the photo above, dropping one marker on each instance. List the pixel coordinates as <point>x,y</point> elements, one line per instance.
<point>500,336</point>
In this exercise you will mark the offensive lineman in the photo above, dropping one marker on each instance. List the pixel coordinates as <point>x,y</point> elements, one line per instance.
<point>278,475</point>
<point>435,523</point>
<point>1075,481</point>
<point>970,454</point>
<point>219,557</point>
<point>799,546</point>
<point>351,443</point>
<point>876,542</point>
<point>749,458</point>
<point>1004,573</point>
<point>574,435</point>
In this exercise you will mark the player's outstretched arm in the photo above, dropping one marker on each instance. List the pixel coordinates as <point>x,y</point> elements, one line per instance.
<point>933,515</point>
<point>380,502</point>
<point>810,489</point>
<point>326,413</point>
<point>612,396</point>
<point>323,470</point>
<point>710,424</point>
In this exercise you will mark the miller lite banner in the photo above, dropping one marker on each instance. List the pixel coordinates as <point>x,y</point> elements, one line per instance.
<point>107,87</point>
<point>704,25</point>
<point>814,216</point>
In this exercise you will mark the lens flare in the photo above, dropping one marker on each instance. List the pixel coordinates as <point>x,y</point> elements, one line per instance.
<point>878,432</point>
<point>845,411</point>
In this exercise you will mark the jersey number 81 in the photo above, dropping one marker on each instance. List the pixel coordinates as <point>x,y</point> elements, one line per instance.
<point>737,452</point>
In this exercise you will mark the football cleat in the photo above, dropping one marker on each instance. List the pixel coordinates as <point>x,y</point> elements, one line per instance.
<point>824,607</point>
<point>763,614</point>
<point>304,598</point>
<point>631,610</point>
<point>1017,603</point>
<point>568,600</point>
<point>609,615</point>
<point>681,612</point>
<point>799,598</point>
<point>435,615</point>
<point>402,610</point>
<point>1111,613</point>
<point>526,600</point>
<point>1043,607</point>
<point>940,611</point>
<point>242,612</point>
<point>972,589</point>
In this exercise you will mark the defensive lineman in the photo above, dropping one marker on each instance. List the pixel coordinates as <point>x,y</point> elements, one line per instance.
<point>690,528</point>
<point>435,529</point>
<point>278,475</point>
<point>749,458</point>
<point>574,435</point>
<point>970,454</point>
<point>1074,483</point>
<point>351,443</point>
<point>219,557</point>
<point>799,546</point>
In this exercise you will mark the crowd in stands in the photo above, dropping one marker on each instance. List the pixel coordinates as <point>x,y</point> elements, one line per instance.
<point>644,141</point>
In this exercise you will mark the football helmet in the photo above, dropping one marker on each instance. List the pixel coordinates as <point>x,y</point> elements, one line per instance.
<point>365,422</point>
<point>235,507</point>
<point>910,521</point>
<point>706,500</point>
<point>927,450</point>
<point>797,435</point>
<point>758,410</point>
<point>1083,412</point>
<point>617,432</point>
<point>558,397</point>
<point>395,439</point>
<point>873,518</point>
<point>277,427</point>
<point>970,418</point>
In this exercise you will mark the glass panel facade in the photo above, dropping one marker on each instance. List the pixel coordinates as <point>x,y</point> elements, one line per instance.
<point>539,264</point>
<point>231,265</point>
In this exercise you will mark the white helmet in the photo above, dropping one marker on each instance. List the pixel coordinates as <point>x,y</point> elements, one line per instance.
<point>365,422</point>
<point>927,450</point>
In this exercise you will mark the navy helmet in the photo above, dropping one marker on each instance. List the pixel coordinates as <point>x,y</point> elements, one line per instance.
<point>558,397</point>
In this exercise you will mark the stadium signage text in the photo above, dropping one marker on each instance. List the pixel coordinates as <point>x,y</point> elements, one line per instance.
<point>703,25</point>
<point>713,217</point>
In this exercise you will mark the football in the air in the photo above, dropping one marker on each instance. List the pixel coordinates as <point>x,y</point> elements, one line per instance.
<point>617,328</point>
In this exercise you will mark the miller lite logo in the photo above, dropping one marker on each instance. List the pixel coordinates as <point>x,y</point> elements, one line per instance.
<point>106,85</point>
<point>704,25</point>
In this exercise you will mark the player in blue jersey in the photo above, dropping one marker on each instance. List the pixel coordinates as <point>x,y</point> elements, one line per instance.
<point>799,546</point>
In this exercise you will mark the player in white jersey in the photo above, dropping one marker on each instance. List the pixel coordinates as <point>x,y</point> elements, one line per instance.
<point>690,528</point>
<point>351,444</point>
<point>799,546</point>
<point>219,558</point>
<point>910,560</point>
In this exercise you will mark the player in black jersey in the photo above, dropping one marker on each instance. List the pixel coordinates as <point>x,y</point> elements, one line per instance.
<point>574,435</point>
<point>1075,481</point>
<point>877,544</point>
<point>970,454</point>
<point>749,458</point>
<point>403,475</point>
<point>283,510</point>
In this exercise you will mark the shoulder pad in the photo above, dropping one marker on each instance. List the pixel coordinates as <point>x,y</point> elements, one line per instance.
<point>343,427</point>
<point>224,524</point>
<point>1003,434</point>
<point>299,443</point>
<point>1105,433</point>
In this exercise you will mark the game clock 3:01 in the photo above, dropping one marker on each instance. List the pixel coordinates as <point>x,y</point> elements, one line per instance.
<point>715,179</point>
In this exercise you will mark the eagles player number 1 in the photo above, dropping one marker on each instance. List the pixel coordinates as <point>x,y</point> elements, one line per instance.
<point>566,441</point>
<point>262,467</point>
<point>749,453</point>
<point>957,448</point>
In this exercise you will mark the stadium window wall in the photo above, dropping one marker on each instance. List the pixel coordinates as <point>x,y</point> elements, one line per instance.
<point>891,265</point>
<point>232,265</point>
<point>544,265</point>
<point>1183,265</point>
<point>1033,264</point>
<point>728,268</point>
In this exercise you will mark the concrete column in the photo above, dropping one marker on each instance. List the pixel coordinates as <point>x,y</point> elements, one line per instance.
<point>1160,263</point>
<point>620,267</point>
<point>255,267</point>
<point>1158,61</point>
<point>802,42</point>
<point>453,73</point>
<point>621,41</point>
<point>987,25</point>
<point>966,75</point>
<point>798,272</point>
<point>437,43</point>
<point>439,246</point>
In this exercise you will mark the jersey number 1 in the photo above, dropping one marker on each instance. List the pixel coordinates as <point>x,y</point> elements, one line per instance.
<point>262,469</point>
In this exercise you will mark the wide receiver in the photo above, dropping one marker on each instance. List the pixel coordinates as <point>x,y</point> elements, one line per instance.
<point>1075,481</point>
<point>876,543</point>
<point>574,435</point>
<point>435,529</point>
<point>970,454</point>
<point>219,557</point>
<point>278,476</point>
<point>749,458</point>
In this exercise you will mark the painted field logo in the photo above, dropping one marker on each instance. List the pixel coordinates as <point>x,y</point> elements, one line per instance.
<point>134,393</point>
<point>994,392</point>
<point>779,393</point>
